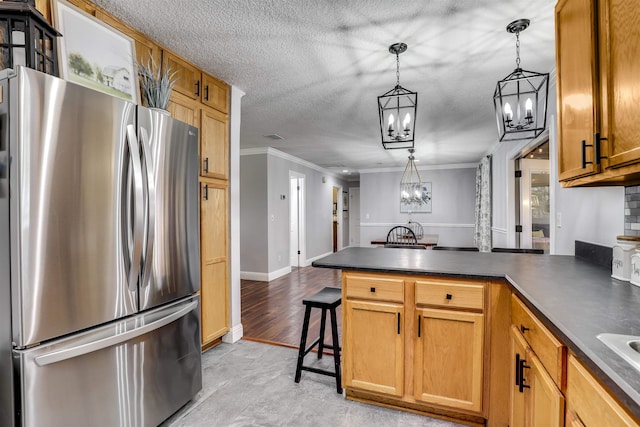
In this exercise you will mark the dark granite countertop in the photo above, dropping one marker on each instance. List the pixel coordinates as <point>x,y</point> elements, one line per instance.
<point>574,299</point>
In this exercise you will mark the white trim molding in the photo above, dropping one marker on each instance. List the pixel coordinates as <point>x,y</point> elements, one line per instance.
<point>422,168</point>
<point>308,261</point>
<point>289,157</point>
<point>265,277</point>
<point>424,224</point>
<point>235,333</point>
<point>499,230</point>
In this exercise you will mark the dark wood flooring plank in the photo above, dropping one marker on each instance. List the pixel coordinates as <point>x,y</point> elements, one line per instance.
<point>273,311</point>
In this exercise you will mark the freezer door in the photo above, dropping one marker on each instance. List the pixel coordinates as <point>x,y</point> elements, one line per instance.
<point>72,214</point>
<point>134,372</point>
<point>171,259</point>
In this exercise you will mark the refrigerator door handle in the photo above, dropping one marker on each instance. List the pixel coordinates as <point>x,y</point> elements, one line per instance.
<point>150,225</point>
<point>138,212</point>
<point>70,353</point>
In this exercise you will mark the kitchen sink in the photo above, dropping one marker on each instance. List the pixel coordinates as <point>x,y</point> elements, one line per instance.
<point>626,346</point>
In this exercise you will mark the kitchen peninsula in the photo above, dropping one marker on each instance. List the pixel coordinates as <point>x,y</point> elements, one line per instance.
<point>558,304</point>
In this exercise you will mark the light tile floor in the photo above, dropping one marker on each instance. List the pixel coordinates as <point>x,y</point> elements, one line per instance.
<point>251,384</point>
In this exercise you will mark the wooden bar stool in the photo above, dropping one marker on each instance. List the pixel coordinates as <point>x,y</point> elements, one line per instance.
<point>327,299</point>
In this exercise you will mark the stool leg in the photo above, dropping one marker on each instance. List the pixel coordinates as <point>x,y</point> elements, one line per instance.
<point>323,321</point>
<point>303,343</point>
<point>336,350</point>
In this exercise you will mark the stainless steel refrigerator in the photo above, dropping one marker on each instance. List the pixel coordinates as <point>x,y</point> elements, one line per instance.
<point>99,257</point>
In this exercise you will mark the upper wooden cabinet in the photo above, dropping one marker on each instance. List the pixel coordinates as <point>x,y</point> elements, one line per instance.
<point>598,61</point>
<point>215,93</point>
<point>577,85</point>
<point>187,75</point>
<point>214,144</point>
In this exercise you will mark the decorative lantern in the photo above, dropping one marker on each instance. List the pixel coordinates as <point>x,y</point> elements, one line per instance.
<point>521,98</point>
<point>411,184</point>
<point>397,110</point>
<point>26,38</point>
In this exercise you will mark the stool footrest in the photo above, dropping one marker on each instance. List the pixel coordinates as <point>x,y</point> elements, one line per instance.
<point>313,344</point>
<point>318,371</point>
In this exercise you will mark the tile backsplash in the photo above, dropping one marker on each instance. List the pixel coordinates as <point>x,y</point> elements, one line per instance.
<point>632,210</point>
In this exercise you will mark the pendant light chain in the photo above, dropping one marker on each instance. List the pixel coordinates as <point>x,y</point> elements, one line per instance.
<point>517,49</point>
<point>397,69</point>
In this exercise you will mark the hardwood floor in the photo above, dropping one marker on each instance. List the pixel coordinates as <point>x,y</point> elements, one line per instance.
<point>273,312</point>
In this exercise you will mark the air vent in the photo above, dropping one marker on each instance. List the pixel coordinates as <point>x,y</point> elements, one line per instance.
<point>274,136</point>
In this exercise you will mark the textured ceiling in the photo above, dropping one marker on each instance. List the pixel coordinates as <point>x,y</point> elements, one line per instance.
<point>312,69</point>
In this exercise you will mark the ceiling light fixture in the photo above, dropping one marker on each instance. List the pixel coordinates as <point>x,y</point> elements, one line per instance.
<point>521,98</point>
<point>411,184</point>
<point>397,110</point>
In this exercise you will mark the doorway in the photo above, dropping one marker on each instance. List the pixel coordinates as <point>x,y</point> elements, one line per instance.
<point>533,199</point>
<point>336,223</point>
<point>354,216</point>
<point>296,219</point>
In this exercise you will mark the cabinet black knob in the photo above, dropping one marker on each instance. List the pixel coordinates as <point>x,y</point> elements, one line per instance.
<point>449,296</point>
<point>524,329</point>
<point>373,289</point>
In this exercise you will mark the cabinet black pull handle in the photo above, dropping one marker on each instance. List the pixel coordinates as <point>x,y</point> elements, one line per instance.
<point>597,147</point>
<point>449,296</point>
<point>398,323</point>
<point>518,369</point>
<point>206,191</point>
<point>522,384</point>
<point>419,325</point>
<point>524,329</point>
<point>373,289</point>
<point>206,165</point>
<point>584,154</point>
<point>206,93</point>
<point>198,88</point>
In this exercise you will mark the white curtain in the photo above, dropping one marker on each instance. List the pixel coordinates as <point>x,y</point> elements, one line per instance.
<point>482,238</point>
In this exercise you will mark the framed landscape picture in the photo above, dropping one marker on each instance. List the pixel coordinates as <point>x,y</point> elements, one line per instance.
<point>425,206</point>
<point>95,55</point>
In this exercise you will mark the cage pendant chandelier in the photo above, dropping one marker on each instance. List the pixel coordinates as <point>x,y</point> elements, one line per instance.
<point>411,184</point>
<point>397,110</point>
<point>520,99</point>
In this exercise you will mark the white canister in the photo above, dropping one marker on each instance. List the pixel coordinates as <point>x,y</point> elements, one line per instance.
<point>635,267</point>
<point>622,251</point>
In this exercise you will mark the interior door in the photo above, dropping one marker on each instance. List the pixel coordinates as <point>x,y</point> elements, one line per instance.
<point>171,256</point>
<point>534,204</point>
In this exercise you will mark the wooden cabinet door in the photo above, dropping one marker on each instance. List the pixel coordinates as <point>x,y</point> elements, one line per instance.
<point>619,70</point>
<point>373,344</point>
<point>572,420</point>
<point>215,93</point>
<point>448,358</point>
<point>517,396</point>
<point>577,85</point>
<point>214,144</point>
<point>187,75</point>
<point>544,401</point>
<point>214,260</point>
<point>184,109</point>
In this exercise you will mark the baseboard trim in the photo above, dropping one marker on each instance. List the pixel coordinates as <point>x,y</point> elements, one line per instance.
<point>309,261</point>
<point>264,277</point>
<point>235,334</point>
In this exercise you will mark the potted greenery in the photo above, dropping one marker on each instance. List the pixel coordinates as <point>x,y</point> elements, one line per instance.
<point>156,84</point>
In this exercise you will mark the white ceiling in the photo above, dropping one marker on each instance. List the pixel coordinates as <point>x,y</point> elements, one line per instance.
<point>312,69</point>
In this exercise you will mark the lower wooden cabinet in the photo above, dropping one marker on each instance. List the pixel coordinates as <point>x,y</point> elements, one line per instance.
<point>415,342</point>
<point>373,347</point>
<point>448,358</point>
<point>214,253</point>
<point>589,403</point>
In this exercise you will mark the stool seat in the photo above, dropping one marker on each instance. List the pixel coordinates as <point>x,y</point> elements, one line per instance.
<point>329,298</point>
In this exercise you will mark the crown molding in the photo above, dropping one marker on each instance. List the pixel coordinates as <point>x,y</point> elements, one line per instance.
<point>422,168</point>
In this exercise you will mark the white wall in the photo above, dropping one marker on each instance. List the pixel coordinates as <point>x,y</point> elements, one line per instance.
<point>265,177</point>
<point>453,203</point>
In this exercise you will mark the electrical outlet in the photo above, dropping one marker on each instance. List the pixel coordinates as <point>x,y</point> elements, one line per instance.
<point>559,219</point>
<point>273,218</point>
